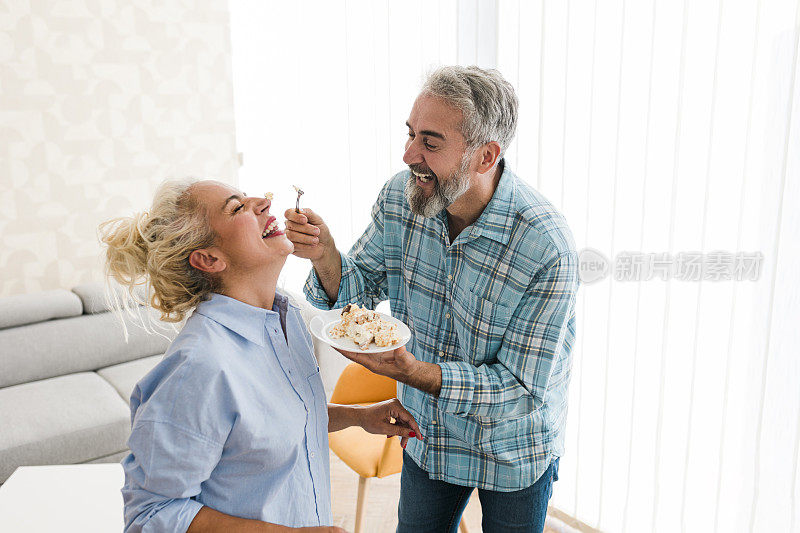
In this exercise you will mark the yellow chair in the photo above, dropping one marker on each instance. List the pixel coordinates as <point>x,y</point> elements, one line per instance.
<point>367,454</point>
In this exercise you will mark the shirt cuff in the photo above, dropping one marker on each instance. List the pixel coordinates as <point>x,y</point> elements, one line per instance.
<point>186,514</point>
<point>315,292</point>
<point>177,515</point>
<point>348,286</point>
<point>458,386</point>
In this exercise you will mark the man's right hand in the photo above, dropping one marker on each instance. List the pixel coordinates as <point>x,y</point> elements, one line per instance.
<point>309,234</point>
<point>312,240</point>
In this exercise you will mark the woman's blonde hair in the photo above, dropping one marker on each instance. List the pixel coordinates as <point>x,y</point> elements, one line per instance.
<point>150,251</point>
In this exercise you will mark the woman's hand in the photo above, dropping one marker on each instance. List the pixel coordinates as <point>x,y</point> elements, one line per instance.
<point>389,418</point>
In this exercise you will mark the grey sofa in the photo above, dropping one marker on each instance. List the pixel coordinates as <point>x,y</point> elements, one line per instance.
<point>66,375</point>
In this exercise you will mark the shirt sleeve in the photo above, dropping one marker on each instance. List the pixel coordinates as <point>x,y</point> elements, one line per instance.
<point>535,339</point>
<point>176,442</point>
<point>363,268</point>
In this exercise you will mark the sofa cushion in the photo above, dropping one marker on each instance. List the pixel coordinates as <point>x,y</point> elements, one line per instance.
<point>63,420</point>
<point>125,376</point>
<point>93,296</point>
<point>31,308</point>
<point>78,344</point>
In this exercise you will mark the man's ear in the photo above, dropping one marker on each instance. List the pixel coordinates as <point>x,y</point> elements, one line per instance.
<point>488,154</point>
<point>206,260</point>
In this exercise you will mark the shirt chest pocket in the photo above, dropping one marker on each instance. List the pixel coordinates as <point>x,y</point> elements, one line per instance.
<point>480,325</point>
<point>316,402</point>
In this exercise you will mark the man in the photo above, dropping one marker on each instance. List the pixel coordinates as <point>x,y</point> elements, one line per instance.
<point>484,271</point>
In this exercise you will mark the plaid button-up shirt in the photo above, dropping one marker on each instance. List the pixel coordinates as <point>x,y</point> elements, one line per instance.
<point>495,309</point>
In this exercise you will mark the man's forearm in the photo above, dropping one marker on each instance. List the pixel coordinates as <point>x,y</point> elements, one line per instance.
<point>426,377</point>
<point>329,272</point>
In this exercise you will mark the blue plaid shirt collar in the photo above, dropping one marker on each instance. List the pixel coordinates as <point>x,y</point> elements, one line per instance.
<point>497,218</point>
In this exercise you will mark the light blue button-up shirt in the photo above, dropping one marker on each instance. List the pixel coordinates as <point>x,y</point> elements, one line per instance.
<point>234,417</point>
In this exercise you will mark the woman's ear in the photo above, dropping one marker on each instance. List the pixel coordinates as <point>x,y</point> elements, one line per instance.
<point>206,261</point>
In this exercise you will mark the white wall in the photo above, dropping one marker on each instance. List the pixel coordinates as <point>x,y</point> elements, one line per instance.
<point>323,90</point>
<point>99,101</point>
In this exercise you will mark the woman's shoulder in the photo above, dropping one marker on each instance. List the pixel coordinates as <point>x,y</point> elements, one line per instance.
<point>190,360</point>
<point>189,387</point>
<point>197,343</point>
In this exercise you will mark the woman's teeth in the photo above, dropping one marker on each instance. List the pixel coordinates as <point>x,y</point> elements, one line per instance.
<point>269,229</point>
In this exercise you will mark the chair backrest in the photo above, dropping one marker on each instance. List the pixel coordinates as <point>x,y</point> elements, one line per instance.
<point>359,385</point>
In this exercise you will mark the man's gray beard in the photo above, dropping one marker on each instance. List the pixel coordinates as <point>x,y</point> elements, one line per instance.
<point>445,193</point>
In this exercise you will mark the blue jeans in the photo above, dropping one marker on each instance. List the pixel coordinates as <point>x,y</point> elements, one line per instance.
<point>428,505</point>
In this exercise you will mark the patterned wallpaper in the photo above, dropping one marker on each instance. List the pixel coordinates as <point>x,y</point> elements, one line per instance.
<point>99,101</point>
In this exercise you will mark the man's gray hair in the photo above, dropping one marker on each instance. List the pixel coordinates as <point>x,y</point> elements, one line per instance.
<point>487,101</point>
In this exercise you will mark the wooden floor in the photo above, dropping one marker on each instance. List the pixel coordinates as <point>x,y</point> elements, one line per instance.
<point>381,508</point>
<point>381,505</point>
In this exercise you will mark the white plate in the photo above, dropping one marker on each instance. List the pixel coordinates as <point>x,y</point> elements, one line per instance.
<point>321,324</point>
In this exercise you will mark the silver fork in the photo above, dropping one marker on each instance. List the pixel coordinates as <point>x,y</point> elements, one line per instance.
<point>299,194</point>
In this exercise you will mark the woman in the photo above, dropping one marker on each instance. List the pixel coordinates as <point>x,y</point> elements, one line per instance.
<point>229,430</point>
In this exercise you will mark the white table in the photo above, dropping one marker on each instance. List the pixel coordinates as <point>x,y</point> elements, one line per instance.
<point>73,498</point>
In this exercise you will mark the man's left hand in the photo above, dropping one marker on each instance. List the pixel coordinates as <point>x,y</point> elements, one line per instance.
<point>400,365</point>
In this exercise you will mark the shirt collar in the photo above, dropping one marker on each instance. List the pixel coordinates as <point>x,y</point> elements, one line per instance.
<point>241,318</point>
<point>497,220</point>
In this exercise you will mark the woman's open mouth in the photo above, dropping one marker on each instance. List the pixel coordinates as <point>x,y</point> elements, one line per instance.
<point>271,229</point>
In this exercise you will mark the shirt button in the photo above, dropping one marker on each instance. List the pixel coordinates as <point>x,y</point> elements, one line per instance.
<point>450,276</point>
<point>312,454</point>
<point>433,422</point>
<point>447,315</point>
<point>441,353</point>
